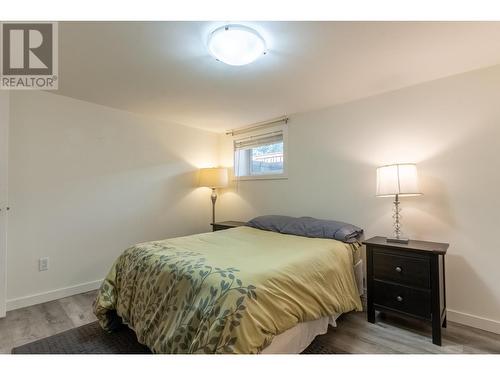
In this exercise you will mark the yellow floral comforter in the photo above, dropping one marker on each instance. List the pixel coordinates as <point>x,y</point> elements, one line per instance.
<point>229,291</point>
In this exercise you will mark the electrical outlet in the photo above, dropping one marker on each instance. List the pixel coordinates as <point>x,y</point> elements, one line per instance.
<point>43,264</point>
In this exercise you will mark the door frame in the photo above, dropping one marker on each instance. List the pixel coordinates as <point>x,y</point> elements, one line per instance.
<point>4,173</point>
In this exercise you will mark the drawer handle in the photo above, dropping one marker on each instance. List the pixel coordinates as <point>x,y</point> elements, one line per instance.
<point>398,269</point>
<point>399,299</point>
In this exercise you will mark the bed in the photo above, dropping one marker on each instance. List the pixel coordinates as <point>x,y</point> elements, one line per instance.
<point>242,290</point>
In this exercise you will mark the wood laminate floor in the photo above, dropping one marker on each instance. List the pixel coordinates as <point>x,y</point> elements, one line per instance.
<point>35,322</point>
<point>352,335</point>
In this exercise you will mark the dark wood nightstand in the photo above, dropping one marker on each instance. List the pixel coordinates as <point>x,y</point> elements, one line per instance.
<point>226,225</point>
<point>407,279</point>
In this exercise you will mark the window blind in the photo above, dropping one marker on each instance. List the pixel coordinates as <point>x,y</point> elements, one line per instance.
<point>259,140</point>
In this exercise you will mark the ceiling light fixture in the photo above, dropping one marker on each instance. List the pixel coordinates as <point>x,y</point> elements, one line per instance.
<point>236,44</point>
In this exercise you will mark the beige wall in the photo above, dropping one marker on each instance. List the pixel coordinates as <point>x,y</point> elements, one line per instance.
<point>87,181</point>
<point>451,128</point>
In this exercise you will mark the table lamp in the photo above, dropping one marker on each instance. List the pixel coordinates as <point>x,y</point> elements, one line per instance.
<point>213,178</point>
<point>397,180</point>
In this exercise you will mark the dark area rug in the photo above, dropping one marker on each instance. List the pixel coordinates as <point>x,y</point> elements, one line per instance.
<point>87,339</point>
<point>92,339</point>
<point>318,347</point>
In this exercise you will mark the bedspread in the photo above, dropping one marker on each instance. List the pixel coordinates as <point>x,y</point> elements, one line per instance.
<point>229,291</point>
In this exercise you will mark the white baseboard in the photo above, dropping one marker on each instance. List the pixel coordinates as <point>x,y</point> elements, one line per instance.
<point>35,299</point>
<point>473,321</point>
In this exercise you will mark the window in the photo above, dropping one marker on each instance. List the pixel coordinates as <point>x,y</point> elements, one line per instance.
<point>260,155</point>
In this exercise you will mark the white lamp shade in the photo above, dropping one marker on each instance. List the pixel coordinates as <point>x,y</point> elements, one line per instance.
<point>213,177</point>
<point>400,179</point>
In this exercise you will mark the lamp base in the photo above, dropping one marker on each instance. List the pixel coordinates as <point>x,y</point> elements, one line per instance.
<point>398,240</point>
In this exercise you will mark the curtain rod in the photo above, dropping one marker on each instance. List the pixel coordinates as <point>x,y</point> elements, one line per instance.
<point>258,125</point>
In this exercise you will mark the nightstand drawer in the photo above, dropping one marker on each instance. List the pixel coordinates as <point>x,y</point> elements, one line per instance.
<point>404,299</point>
<point>401,269</point>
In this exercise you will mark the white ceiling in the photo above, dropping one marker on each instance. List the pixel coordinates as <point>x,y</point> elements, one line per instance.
<point>163,69</point>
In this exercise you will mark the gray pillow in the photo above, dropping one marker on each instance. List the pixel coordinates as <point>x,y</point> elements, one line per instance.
<point>317,228</point>
<point>308,227</point>
<point>274,223</point>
